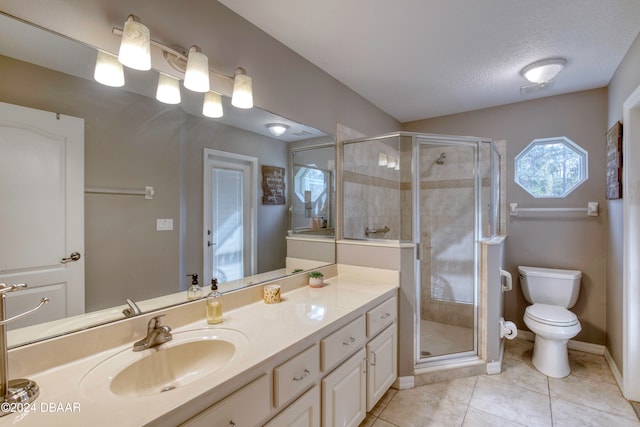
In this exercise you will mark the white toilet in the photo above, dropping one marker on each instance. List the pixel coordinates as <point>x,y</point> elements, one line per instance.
<point>552,292</point>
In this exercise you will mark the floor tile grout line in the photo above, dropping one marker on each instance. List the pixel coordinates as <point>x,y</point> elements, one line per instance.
<point>550,405</point>
<point>595,409</point>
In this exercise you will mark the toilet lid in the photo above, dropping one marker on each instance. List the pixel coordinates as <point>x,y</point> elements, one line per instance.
<point>551,315</point>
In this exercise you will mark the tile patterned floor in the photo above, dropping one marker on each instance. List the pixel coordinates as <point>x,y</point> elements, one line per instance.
<point>519,396</point>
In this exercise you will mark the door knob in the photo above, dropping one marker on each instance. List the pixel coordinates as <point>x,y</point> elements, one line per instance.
<point>75,256</point>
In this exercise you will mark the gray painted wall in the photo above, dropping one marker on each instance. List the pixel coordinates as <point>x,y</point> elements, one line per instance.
<point>559,240</point>
<point>624,82</point>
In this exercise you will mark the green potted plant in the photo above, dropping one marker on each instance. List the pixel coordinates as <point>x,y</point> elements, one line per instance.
<point>315,279</point>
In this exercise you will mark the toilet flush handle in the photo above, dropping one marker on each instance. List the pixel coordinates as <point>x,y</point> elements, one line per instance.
<point>507,285</point>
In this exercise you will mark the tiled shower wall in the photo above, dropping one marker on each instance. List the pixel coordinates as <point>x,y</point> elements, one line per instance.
<point>447,235</point>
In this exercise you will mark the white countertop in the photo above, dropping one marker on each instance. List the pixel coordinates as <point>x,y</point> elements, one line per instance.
<point>270,329</point>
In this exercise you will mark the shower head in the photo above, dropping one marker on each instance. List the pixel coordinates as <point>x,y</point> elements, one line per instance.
<point>440,160</point>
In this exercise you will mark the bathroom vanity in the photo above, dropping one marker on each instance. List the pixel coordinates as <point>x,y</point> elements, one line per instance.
<point>319,356</point>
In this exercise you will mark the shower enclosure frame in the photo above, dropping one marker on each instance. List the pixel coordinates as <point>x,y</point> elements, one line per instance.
<point>456,141</point>
<point>494,158</point>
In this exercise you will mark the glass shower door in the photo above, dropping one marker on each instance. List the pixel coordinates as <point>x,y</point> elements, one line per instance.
<point>446,217</point>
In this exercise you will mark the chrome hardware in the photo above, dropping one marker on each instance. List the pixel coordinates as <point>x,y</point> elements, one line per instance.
<point>303,376</point>
<point>21,391</point>
<point>156,335</point>
<point>369,231</point>
<point>373,356</point>
<point>75,256</point>
<point>385,316</point>
<point>349,342</point>
<point>132,310</point>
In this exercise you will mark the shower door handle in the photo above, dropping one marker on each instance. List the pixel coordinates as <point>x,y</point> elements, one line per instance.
<point>508,280</point>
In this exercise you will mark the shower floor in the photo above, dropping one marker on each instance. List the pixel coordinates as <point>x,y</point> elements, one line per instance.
<point>437,339</point>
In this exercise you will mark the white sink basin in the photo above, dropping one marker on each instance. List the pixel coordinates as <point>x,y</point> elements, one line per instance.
<point>189,357</point>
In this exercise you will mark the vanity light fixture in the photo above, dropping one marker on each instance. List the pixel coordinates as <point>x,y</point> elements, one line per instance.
<point>194,64</point>
<point>277,129</point>
<point>382,159</point>
<point>544,71</point>
<point>135,47</point>
<point>212,106</point>
<point>168,89</point>
<point>196,76</point>
<point>108,70</point>
<point>242,96</point>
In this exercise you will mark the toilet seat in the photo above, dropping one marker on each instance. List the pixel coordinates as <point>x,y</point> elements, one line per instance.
<point>552,315</point>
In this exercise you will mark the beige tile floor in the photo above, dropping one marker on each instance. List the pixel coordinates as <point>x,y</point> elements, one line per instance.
<point>519,396</point>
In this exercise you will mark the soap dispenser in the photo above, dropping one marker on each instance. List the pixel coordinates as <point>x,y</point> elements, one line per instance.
<point>214,304</point>
<point>194,292</point>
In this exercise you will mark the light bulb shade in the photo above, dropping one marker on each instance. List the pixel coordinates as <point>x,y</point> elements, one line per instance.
<point>242,96</point>
<point>277,129</point>
<point>544,71</point>
<point>212,106</point>
<point>196,77</point>
<point>135,47</point>
<point>108,70</point>
<point>168,89</point>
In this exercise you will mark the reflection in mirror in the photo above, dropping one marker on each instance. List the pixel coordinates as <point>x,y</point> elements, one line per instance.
<point>143,170</point>
<point>312,207</point>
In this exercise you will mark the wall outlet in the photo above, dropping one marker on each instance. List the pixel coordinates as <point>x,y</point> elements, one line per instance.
<point>164,224</point>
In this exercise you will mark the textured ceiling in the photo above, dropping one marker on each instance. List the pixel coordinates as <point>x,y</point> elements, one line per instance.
<point>417,59</point>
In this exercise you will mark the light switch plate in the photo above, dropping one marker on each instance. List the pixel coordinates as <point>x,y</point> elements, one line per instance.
<point>164,224</point>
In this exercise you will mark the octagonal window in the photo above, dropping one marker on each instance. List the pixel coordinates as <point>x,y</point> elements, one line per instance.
<point>551,167</point>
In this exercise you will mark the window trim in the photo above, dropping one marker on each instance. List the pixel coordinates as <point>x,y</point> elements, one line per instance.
<point>556,139</point>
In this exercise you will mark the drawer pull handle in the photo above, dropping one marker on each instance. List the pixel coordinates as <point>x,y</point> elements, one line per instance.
<point>386,315</point>
<point>303,376</point>
<point>373,358</point>
<point>349,342</point>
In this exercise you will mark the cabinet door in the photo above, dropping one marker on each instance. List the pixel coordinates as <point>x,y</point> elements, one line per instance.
<point>382,365</point>
<point>304,412</point>
<point>344,393</point>
<point>246,407</point>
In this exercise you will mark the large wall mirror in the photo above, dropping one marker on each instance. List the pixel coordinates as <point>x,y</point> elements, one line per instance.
<point>165,191</point>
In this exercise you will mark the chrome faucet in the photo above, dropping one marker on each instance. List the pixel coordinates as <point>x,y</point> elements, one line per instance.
<point>132,310</point>
<point>156,335</point>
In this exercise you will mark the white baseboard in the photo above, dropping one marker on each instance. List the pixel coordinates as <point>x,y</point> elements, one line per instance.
<point>495,367</point>
<point>585,347</point>
<point>404,383</point>
<point>614,368</point>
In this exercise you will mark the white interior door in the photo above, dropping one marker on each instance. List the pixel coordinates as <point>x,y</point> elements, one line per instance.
<point>230,198</point>
<point>42,212</point>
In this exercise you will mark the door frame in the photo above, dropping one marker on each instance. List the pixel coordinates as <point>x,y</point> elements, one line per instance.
<point>210,155</point>
<point>631,249</point>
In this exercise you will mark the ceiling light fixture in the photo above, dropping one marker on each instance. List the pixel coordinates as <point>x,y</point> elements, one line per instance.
<point>242,96</point>
<point>544,71</point>
<point>135,47</point>
<point>196,76</point>
<point>168,89</point>
<point>212,106</point>
<point>108,70</point>
<point>277,129</point>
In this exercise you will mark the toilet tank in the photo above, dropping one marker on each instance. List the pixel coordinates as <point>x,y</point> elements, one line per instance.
<point>550,285</point>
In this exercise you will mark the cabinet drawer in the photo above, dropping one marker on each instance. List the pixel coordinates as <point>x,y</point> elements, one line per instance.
<point>295,375</point>
<point>381,316</point>
<point>233,409</point>
<point>342,343</point>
